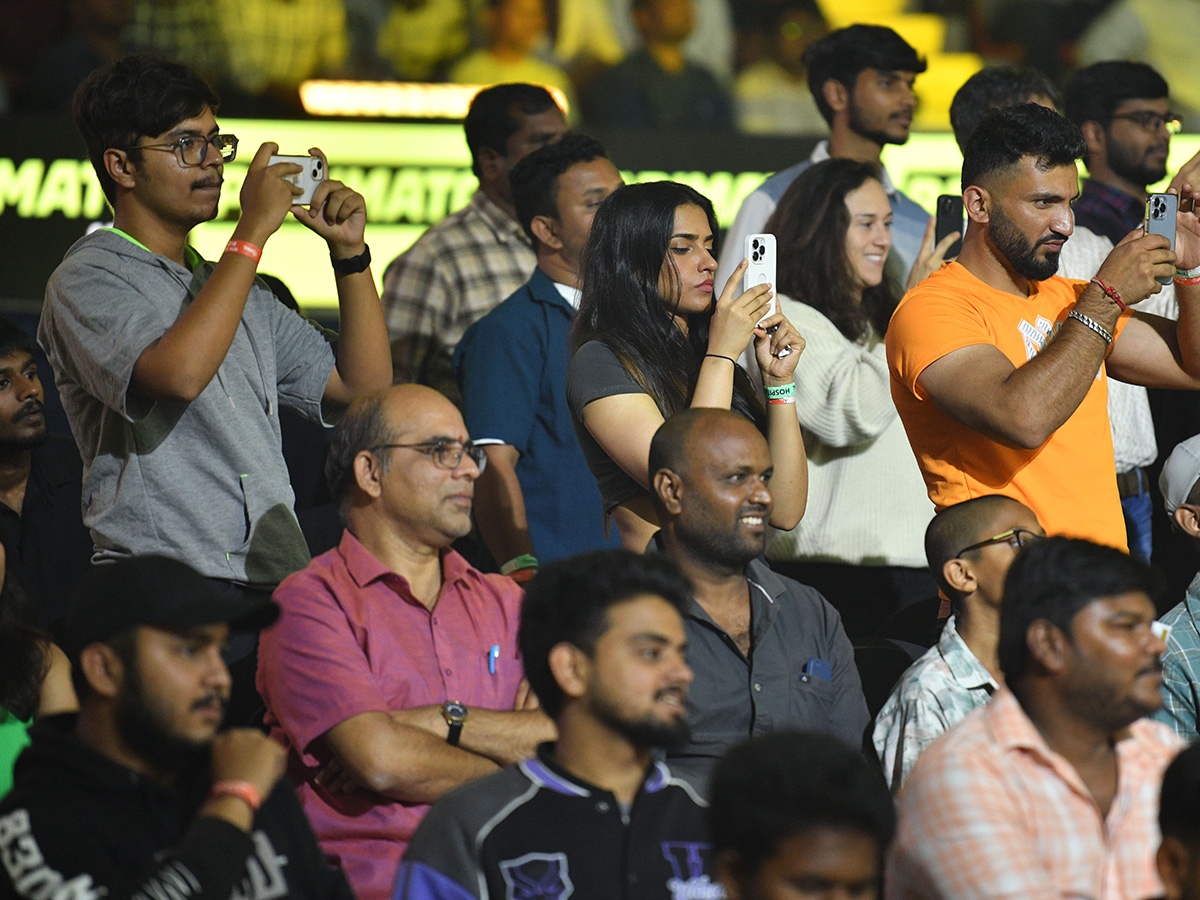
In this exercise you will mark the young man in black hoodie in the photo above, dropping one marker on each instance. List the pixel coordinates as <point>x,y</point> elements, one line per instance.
<point>139,795</point>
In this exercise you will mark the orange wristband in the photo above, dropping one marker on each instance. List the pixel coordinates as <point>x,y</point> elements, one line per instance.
<point>243,790</point>
<point>245,248</point>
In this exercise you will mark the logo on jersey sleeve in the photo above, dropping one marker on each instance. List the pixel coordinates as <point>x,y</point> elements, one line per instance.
<point>537,876</point>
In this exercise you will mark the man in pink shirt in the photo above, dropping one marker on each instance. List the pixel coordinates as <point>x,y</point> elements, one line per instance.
<point>392,673</point>
<point>1051,790</point>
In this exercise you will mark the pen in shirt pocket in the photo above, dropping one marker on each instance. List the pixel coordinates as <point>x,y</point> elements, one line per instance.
<point>493,655</point>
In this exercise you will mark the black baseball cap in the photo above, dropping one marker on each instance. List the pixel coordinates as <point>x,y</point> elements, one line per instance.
<point>156,591</point>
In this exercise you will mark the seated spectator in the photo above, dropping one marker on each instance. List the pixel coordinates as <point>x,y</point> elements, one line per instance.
<point>1050,790</point>
<point>46,545</point>
<point>799,815</point>
<point>859,542</point>
<point>139,795</point>
<point>649,341</point>
<point>658,86</point>
<point>1179,485</point>
<point>769,653</point>
<point>1179,821</point>
<point>593,813</point>
<point>771,95</point>
<point>536,500</point>
<point>711,43</point>
<point>93,40</point>
<point>419,38</point>
<point>514,28</point>
<point>969,547</point>
<point>392,675</point>
<point>35,675</point>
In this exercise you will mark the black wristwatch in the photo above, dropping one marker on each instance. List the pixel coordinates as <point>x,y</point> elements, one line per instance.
<point>455,714</point>
<point>352,264</point>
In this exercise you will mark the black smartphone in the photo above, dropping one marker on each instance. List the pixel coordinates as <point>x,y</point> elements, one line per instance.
<point>950,216</point>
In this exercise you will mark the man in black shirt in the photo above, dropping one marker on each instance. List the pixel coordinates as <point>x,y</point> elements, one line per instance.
<point>139,795</point>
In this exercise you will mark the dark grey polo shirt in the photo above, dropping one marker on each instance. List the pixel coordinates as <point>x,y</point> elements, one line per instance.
<point>734,698</point>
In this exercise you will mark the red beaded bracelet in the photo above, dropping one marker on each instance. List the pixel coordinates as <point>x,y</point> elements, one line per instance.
<point>1113,295</point>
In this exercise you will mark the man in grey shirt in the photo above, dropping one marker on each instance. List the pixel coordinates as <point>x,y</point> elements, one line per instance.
<point>768,653</point>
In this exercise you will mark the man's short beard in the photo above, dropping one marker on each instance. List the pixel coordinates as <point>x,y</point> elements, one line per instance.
<point>15,446</point>
<point>1018,251</point>
<point>647,732</point>
<point>875,135</point>
<point>143,733</point>
<point>720,551</point>
<point>1131,168</point>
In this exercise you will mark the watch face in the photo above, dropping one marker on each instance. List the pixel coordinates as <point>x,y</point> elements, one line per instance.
<point>454,711</point>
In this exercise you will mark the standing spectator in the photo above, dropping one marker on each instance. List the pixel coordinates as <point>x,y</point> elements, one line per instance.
<point>536,500</point>
<point>771,95</point>
<point>658,86</point>
<point>1051,789</point>
<point>466,264</point>
<point>593,814</point>
<point>859,542</point>
<point>649,342</point>
<point>861,78</point>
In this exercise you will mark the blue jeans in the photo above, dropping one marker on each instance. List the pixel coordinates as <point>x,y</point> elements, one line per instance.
<point>1138,511</point>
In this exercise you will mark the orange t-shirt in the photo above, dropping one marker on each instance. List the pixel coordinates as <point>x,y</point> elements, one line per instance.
<point>1070,480</point>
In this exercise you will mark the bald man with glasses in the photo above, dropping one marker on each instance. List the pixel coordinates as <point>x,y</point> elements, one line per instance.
<point>392,674</point>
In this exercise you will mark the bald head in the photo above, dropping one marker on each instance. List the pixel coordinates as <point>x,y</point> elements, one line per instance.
<point>681,436</point>
<point>969,523</point>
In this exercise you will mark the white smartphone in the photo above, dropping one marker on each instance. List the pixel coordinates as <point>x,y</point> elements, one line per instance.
<point>760,251</point>
<point>312,174</point>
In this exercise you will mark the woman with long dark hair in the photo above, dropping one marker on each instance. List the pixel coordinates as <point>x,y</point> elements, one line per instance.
<point>649,341</point>
<point>862,539</point>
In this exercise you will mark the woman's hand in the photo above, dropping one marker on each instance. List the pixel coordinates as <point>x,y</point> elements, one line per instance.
<point>734,318</point>
<point>778,346</point>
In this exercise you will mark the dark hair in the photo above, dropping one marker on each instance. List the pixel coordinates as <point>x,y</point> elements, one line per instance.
<point>1094,93</point>
<point>1179,806</point>
<point>13,339</point>
<point>493,116</point>
<point>782,784</point>
<point>995,87</point>
<point>810,225</point>
<point>137,96</point>
<point>622,307</point>
<point>534,180</point>
<point>1053,580</point>
<point>23,657</point>
<point>1007,135</point>
<point>958,526</point>
<point>568,602</point>
<point>361,427</point>
<point>845,53</point>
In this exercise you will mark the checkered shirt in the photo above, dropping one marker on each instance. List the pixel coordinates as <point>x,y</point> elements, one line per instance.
<point>455,273</point>
<point>931,697</point>
<point>1181,666</point>
<point>990,811</point>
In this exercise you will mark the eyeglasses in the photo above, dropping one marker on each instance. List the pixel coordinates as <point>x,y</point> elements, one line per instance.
<point>192,149</point>
<point>446,454</point>
<point>1018,537</point>
<point>1152,121</point>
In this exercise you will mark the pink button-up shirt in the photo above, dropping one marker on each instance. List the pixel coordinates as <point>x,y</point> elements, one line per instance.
<point>352,639</point>
<point>990,811</point>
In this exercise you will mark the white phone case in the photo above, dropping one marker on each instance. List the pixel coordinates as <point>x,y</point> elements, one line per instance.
<point>760,251</point>
<point>307,180</point>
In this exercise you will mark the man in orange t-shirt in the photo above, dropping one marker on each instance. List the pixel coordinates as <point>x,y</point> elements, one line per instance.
<point>998,366</point>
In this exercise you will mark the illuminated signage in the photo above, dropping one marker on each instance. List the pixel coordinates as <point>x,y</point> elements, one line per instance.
<point>411,176</point>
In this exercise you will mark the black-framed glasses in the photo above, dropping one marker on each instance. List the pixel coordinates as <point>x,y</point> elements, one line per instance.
<point>447,454</point>
<point>1017,537</point>
<point>192,149</point>
<point>1152,121</point>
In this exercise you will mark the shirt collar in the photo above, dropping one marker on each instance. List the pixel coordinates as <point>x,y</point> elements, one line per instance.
<point>364,568</point>
<point>821,153</point>
<point>544,770</point>
<point>962,663</point>
<point>505,226</point>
